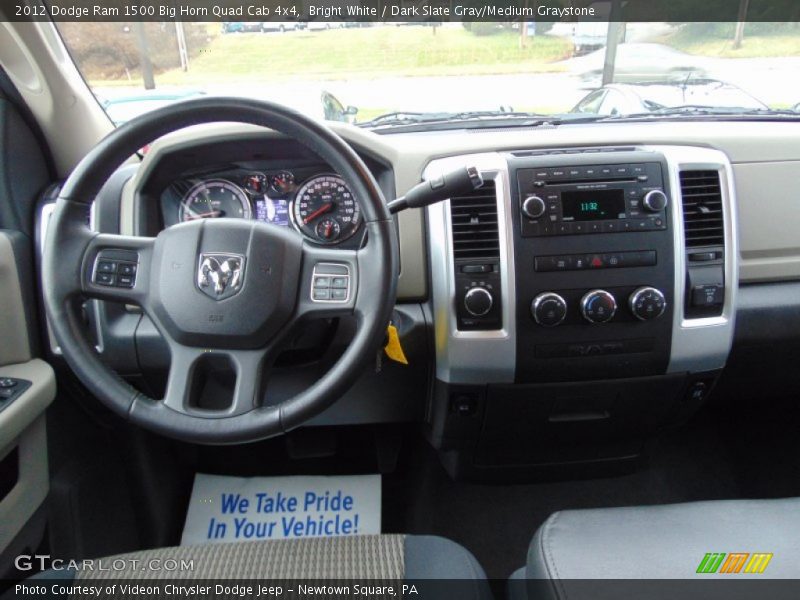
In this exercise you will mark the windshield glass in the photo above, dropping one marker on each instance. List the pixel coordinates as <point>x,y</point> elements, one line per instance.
<point>433,72</point>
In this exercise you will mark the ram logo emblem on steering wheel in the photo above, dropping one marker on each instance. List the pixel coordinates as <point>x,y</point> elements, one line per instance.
<point>219,275</point>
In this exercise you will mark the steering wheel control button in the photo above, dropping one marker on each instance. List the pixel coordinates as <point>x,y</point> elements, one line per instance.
<point>126,274</point>
<point>7,382</point>
<point>322,282</point>
<point>598,306</point>
<point>331,283</point>
<point>105,279</point>
<point>106,266</point>
<point>647,303</point>
<point>116,268</point>
<point>549,309</point>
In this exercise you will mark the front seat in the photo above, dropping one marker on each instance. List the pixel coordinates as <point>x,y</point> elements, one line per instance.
<point>386,558</point>
<point>727,540</point>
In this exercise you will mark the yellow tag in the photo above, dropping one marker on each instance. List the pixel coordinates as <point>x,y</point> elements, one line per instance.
<point>393,348</point>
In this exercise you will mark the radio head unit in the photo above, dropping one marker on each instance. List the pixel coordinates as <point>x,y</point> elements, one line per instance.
<point>592,199</point>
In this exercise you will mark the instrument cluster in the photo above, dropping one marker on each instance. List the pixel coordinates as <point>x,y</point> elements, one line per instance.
<point>319,205</point>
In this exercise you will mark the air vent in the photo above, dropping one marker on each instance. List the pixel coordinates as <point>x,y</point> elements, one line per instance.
<point>702,209</point>
<point>473,219</point>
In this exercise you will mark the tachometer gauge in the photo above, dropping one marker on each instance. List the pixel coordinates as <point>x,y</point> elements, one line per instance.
<point>215,198</point>
<point>282,182</point>
<point>256,183</point>
<point>325,210</point>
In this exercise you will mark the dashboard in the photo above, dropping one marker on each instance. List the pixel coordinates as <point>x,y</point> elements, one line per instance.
<point>593,290</point>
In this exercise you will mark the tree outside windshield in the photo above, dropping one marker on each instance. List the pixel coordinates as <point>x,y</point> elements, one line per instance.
<point>358,71</point>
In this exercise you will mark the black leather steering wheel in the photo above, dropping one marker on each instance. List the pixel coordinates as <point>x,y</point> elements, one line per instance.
<point>230,289</point>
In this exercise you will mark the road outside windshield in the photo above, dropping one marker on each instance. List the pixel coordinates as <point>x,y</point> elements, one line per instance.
<point>358,72</point>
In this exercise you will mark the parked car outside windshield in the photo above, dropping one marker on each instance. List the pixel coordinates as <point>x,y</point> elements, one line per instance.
<point>627,99</point>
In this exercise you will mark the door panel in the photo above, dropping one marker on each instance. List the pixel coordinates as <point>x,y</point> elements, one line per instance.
<point>13,322</point>
<point>27,383</point>
<point>24,485</point>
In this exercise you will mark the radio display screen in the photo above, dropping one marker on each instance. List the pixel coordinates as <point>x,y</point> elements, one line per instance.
<point>593,205</point>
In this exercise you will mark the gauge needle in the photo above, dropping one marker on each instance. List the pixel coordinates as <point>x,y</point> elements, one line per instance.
<point>203,215</point>
<point>320,211</point>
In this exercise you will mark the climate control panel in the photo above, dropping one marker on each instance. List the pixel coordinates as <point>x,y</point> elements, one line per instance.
<point>645,303</point>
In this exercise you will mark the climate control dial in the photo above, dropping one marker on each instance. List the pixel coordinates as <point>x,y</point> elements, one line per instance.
<point>548,309</point>
<point>647,303</point>
<point>598,306</point>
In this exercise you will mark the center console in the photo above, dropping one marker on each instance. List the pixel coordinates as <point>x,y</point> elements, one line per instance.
<point>595,265</point>
<point>581,289</point>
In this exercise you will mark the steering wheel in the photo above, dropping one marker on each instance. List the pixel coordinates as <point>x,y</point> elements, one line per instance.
<point>225,290</point>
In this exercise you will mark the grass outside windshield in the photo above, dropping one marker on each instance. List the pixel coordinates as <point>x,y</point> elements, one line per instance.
<point>377,68</point>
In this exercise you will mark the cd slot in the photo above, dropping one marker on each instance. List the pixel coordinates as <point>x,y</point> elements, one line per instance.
<point>592,181</point>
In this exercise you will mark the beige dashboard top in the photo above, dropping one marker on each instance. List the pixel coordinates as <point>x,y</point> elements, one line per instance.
<point>765,158</point>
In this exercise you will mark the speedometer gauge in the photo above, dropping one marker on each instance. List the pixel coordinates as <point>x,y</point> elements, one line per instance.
<point>215,198</point>
<point>325,210</point>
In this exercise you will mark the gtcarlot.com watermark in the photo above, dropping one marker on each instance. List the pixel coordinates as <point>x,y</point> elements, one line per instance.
<point>43,562</point>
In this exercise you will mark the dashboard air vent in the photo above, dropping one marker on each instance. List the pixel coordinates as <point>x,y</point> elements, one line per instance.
<point>702,208</point>
<point>473,219</point>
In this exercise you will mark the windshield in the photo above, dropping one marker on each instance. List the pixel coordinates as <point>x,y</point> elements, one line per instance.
<point>384,74</point>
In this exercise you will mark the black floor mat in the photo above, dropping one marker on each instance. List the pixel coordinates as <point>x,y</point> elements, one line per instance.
<point>705,460</point>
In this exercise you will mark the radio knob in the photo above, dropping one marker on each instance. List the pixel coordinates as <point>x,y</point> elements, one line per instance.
<point>533,207</point>
<point>548,309</point>
<point>655,201</point>
<point>478,301</point>
<point>598,306</point>
<point>647,303</point>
